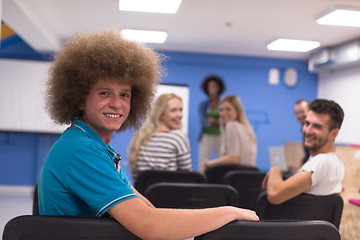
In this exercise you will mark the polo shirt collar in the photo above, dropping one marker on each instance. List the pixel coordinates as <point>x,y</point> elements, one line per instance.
<point>90,132</point>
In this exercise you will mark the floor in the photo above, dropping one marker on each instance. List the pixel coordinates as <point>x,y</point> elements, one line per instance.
<point>349,225</point>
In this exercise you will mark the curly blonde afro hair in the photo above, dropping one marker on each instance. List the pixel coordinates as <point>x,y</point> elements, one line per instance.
<point>87,58</point>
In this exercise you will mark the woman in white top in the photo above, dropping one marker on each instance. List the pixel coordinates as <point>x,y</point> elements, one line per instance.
<point>238,145</point>
<point>160,144</point>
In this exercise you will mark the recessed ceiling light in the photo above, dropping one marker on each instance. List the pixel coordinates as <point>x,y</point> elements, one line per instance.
<point>292,45</point>
<point>154,6</point>
<point>144,35</point>
<point>341,16</point>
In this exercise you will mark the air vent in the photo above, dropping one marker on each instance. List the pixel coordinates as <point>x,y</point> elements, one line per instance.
<point>336,57</point>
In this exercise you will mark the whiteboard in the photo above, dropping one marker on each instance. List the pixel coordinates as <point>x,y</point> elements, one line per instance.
<point>22,95</point>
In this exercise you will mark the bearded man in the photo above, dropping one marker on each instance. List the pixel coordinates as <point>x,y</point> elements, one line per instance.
<point>323,172</point>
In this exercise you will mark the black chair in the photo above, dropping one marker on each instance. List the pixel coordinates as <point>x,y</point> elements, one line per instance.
<point>35,207</point>
<point>274,230</point>
<point>248,185</point>
<point>302,207</point>
<point>191,195</point>
<point>148,177</point>
<point>216,173</point>
<point>31,227</point>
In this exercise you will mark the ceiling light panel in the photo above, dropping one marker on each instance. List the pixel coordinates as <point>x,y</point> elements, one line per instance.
<point>292,45</point>
<point>154,6</point>
<point>341,17</point>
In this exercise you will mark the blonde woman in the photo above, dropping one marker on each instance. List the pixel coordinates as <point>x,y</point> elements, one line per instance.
<point>160,144</point>
<point>238,141</point>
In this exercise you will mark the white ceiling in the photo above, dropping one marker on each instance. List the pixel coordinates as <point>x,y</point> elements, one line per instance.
<point>239,27</point>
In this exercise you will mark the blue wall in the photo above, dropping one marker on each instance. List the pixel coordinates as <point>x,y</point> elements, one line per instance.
<point>269,109</point>
<point>22,155</point>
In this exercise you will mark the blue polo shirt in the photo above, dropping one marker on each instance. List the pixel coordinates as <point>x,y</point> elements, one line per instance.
<point>79,176</point>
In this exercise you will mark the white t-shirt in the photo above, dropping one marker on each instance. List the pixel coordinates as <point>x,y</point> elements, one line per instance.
<point>328,171</point>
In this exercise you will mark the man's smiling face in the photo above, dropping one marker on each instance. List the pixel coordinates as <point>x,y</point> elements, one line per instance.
<point>107,107</point>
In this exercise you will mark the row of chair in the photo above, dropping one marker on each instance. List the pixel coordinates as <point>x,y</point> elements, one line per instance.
<point>204,195</point>
<point>188,195</point>
<point>213,174</point>
<point>239,188</point>
<point>31,227</point>
<point>245,179</point>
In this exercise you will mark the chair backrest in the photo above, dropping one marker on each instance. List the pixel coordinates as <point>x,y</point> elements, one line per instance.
<point>216,173</point>
<point>31,227</point>
<point>302,207</point>
<point>274,230</point>
<point>191,195</point>
<point>148,177</point>
<point>35,207</point>
<point>248,185</point>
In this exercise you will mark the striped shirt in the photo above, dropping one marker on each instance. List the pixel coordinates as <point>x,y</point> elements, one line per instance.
<point>165,151</point>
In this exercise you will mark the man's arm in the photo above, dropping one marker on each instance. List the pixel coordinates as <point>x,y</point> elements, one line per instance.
<point>142,197</point>
<point>157,223</point>
<point>278,190</point>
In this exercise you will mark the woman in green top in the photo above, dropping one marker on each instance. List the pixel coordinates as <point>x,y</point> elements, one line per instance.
<point>210,141</point>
